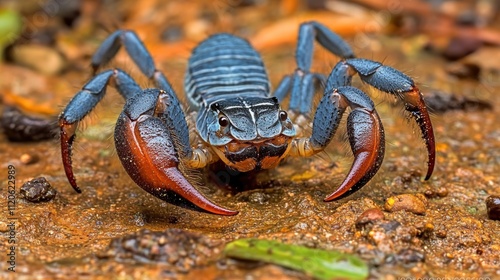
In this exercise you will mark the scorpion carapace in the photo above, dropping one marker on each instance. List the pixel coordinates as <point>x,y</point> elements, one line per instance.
<point>238,121</point>
<point>247,132</point>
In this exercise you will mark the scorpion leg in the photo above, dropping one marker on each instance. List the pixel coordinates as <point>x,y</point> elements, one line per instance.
<point>137,51</point>
<point>302,83</point>
<point>283,88</point>
<point>390,80</point>
<point>143,59</point>
<point>147,146</point>
<point>81,105</point>
<point>312,30</point>
<point>364,127</point>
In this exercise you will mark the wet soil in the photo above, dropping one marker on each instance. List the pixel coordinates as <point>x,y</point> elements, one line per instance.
<point>97,234</point>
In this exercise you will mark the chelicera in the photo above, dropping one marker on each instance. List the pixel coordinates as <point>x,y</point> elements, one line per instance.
<point>238,120</point>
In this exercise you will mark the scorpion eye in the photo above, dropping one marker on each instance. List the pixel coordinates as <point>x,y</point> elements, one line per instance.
<point>223,121</point>
<point>283,116</point>
<point>214,106</point>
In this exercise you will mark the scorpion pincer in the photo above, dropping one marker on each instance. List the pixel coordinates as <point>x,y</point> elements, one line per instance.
<point>238,120</point>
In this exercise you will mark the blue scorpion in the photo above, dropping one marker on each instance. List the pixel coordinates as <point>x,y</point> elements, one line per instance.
<point>238,121</point>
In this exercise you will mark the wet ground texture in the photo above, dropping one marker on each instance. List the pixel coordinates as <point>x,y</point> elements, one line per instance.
<point>399,224</point>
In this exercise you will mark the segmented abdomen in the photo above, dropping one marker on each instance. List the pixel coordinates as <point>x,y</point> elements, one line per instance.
<point>224,65</point>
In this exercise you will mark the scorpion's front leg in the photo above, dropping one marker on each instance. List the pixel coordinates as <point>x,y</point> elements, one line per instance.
<point>390,80</point>
<point>148,143</point>
<point>137,51</point>
<point>81,105</point>
<point>365,131</point>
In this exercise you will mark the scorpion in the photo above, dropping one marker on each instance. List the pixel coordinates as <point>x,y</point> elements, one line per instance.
<point>237,120</point>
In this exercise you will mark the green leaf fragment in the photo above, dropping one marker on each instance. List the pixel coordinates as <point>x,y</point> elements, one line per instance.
<point>10,27</point>
<point>320,264</point>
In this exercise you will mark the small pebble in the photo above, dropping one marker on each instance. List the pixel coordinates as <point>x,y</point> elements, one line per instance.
<point>429,193</point>
<point>407,202</point>
<point>493,207</point>
<point>441,233</point>
<point>139,219</point>
<point>43,59</point>
<point>390,225</point>
<point>441,192</point>
<point>3,227</point>
<point>407,256</point>
<point>27,159</point>
<point>425,230</point>
<point>369,216</point>
<point>258,198</point>
<point>37,190</point>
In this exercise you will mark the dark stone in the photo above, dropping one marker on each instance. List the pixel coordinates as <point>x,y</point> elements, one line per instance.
<point>493,207</point>
<point>38,190</point>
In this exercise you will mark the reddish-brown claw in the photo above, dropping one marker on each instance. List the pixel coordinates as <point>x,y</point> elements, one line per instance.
<point>366,136</point>
<point>390,80</point>
<point>148,155</point>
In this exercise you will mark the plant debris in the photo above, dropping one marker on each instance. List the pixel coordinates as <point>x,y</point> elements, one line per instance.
<point>19,127</point>
<point>440,102</point>
<point>320,264</point>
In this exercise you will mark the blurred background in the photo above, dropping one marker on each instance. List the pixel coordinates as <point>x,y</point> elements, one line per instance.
<point>57,37</point>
